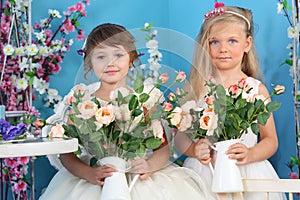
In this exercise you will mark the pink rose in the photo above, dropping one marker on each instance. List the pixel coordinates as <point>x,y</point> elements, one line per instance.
<point>209,100</point>
<point>242,83</point>
<point>172,97</point>
<point>163,78</point>
<point>167,106</point>
<point>71,100</point>
<point>180,76</point>
<point>234,90</point>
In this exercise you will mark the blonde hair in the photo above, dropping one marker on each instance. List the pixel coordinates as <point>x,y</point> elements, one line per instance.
<point>202,67</point>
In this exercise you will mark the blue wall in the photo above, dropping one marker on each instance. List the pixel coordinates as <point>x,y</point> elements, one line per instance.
<point>183,19</point>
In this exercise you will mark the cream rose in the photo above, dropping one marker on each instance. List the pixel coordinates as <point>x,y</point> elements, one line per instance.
<point>176,116</point>
<point>158,130</point>
<point>87,109</point>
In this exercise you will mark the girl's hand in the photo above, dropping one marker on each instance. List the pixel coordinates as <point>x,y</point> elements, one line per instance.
<point>141,167</point>
<point>97,175</point>
<point>239,152</point>
<point>202,151</point>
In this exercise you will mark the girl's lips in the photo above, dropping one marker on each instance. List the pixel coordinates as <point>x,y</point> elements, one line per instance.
<point>224,58</point>
<point>111,71</point>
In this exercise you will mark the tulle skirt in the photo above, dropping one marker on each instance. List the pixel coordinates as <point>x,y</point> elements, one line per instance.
<point>171,183</point>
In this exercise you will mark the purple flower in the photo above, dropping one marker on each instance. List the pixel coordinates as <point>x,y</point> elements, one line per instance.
<point>13,131</point>
<point>4,125</point>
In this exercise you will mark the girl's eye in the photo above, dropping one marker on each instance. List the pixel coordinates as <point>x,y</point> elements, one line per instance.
<point>119,55</point>
<point>101,57</point>
<point>213,42</point>
<point>232,41</point>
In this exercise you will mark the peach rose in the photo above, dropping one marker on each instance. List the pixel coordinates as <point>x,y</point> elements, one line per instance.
<point>57,131</point>
<point>279,89</point>
<point>105,115</point>
<point>208,121</point>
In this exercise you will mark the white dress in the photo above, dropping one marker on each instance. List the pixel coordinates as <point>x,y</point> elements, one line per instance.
<point>262,169</point>
<point>170,183</point>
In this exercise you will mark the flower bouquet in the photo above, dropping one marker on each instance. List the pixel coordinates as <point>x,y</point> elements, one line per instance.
<point>226,115</point>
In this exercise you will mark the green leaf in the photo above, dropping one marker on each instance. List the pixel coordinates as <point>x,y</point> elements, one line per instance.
<point>136,112</point>
<point>263,118</point>
<point>138,85</point>
<point>141,151</point>
<point>255,128</point>
<point>273,106</point>
<point>95,136</point>
<point>156,114</point>
<point>144,97</point>
<point>153,143</point>
<point>133,103</point>
<point>93,162</point>
<point>116,134</point>
<point>250,112</point>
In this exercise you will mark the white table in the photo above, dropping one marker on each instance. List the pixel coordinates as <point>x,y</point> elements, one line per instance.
<point>36,147</point>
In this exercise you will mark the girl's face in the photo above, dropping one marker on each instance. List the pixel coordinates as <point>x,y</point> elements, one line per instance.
<point>111,64</point>
<point>227,45</point>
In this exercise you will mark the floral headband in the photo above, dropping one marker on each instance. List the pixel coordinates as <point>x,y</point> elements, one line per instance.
<point>219,10</point>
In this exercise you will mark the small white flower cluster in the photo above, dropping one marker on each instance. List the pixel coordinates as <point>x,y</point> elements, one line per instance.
<point>155,55</point>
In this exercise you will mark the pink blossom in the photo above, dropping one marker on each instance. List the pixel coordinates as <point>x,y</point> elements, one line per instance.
<point>23,160</point>
<point>37,25</point>
<point>20,186</point>
<point>293,175</point>
<point>72,8</point>
<point>79,7</point>
<point>11,162</point>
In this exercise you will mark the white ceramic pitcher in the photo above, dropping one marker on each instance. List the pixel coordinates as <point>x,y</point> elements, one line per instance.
<point>116,186</point>
<point>226,174</point>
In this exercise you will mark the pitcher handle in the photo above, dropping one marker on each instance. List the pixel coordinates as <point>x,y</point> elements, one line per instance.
<point>135,178</point>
